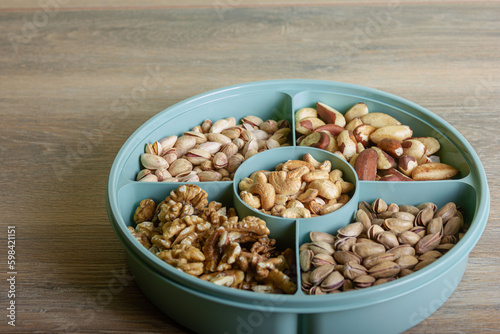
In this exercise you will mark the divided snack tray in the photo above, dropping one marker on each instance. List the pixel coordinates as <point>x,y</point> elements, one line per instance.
<point>392,307</point>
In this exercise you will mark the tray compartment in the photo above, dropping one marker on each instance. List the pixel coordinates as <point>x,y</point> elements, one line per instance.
<point>449,153</point>
<point>131,194</point>
<point>266,105</point>
<point>438,284</point>
<point>268,160</point>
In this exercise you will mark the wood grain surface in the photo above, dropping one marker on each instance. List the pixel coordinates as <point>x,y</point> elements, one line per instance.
<point>71,93</point>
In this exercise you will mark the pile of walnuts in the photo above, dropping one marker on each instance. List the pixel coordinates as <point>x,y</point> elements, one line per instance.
<point>209,241</point>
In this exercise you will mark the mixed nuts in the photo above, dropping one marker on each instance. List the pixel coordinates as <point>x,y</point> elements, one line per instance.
<point>209,241</point>
<point>211,151</point>
<point>385,242</point>
<point>376,144</point>
<point>297,189</point>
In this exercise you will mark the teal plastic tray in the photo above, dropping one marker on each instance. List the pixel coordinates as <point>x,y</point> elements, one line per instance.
<point>389,308</point>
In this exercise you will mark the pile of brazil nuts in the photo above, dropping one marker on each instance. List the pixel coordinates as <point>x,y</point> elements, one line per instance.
<point>209,241</point>
<point>296,189</point>
<point>385,243</point>
<point>211,151</point>
<point>376,144</point>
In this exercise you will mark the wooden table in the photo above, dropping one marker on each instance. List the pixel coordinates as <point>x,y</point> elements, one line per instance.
<point>67,68</point>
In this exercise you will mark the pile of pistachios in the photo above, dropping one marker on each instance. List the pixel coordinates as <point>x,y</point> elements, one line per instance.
<point>384,243</point>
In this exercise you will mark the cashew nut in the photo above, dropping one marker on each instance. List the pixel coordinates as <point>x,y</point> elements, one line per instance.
<point>264,190</point>
<point>326,165</point>
<point>298,173</point>
<point>336,175</point>
<point>277,209</point>
<point>296,213</point>
<point>344,198</point>
<point>284,185</point>
<point>280,199</point>
<point>294,204</point>
<point>250,200</point>
<point>294,164</point>
<point>265,172</point>
<point>309,158</point>
<point>267,194</point>
<point>315,175</point>
<point>314,207</point>
<point>330,207</point>
<point>326,188</point>
<point>345,186</point>
<point>308,195</point>
<point>245,184</point>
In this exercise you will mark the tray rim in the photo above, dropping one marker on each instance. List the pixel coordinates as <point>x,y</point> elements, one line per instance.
<point>291,86</point>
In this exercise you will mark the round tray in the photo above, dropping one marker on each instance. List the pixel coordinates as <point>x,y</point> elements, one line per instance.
<point>389,308</point>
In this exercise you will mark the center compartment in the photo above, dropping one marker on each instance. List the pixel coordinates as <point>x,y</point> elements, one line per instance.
<point>268,160</point>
